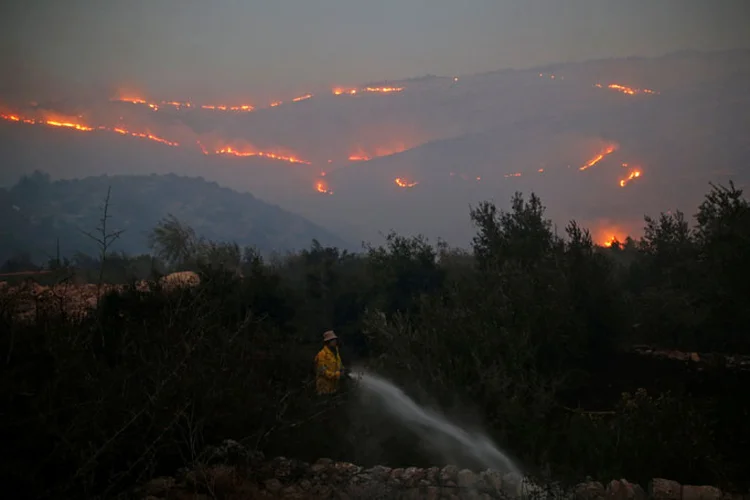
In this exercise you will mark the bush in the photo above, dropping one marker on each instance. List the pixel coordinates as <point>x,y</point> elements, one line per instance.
<point>517,330</point>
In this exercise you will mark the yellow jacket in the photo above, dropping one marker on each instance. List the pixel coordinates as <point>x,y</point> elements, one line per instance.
<point>327,370</point>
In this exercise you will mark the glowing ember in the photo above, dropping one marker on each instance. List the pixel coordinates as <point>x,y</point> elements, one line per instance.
<point>142,135</point>
<point>224,107</point>
<point>340,91</point>
<point>302,98</point>
<point>359,158</point>
<point>177,104</point>
<point>383,90</point>
<point>633,175</point>
<point>137,100</point>
<point>230,151</point>
<point>611,240</point>
<point>608,234</point>
<point>404,183</point>
<point>365,154</point>
<point>322,187</point>
<point>276,103</point>
<point>516,174</point>
<point>625,90</point>
<point>599,157</point>
<point>69,124</point>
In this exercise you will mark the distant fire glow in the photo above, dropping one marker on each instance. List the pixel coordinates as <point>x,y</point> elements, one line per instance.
<point>599,156</point>
<point>383,90</point>
<point>403,183</point>
<point>224,107</point>
<point>625,90</point>
<point>70,123</point>
<point>242,152</point>
<point>633,175</point>
<point>322,187</point>
<point>606,234</point>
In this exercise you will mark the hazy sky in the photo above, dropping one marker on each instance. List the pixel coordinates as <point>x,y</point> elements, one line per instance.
<point>262,49</point>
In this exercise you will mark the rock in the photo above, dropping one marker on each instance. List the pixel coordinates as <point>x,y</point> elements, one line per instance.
<point>158,487</point>
<point>273,485</point>
<point>511,484</point>
<point>396,475</point>
<point>412,476</point>
<point>466,479</point>
<point>346,468</point>
<point>379,473</point>
<point>448,474</point>
<point>701,493</point>
<point>432,475</point>
<point>294,480</point>
<point>432,493</point>
<point>492,480</point>
<point>592,490</point>
<point>531,491</point>
<point>321,464</point>
<point>664,489</point>
<point>623,490</point>
<point>293,492</point>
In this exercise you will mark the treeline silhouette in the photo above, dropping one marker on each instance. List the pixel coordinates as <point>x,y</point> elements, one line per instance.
<point>528,330</point>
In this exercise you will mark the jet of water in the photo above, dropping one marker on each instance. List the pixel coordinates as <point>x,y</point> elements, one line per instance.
<point>430,424</point>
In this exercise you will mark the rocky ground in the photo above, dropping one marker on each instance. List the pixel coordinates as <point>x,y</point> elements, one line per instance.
<point>29,299</point>
<point>231,472</point>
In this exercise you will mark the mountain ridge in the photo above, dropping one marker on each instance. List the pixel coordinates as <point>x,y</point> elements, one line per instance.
<point>36,211</point>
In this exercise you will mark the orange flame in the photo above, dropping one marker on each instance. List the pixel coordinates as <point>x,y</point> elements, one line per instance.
<point>230,151</point>
<point>516,174</point>
<point>224,107</point>
<point>276,103</point>
<point>76,126</point>
<point>136,100</point>
<point>611,240</point>
<point>404,183</point>
<point>633,175</point>
<point>52,121</point>
<point>383,90</point>
<point>391,149</point>
<point>69,123</point>
<point>599,157</point>
<point>626,90</point>
<point>302,98</point>
<point>177,104</point>
<point>142,135</point>
<point>607,234</point>
<point>322,187</point>
<point>360,157</point>
<point>340,91</point>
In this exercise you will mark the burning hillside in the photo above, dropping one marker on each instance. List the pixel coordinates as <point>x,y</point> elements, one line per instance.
<point>551,132</point>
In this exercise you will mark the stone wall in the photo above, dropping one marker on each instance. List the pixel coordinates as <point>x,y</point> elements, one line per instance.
<point>29,298</point>
<point>230,472</point>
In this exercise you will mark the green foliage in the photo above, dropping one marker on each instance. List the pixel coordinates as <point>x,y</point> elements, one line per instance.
<point>527,329</point>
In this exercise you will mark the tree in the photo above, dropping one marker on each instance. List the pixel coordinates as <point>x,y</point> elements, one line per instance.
<point>173,241</point>
<point>522,235</point>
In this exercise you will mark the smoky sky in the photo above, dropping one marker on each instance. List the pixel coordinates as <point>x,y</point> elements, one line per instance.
<point>265,49</point>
